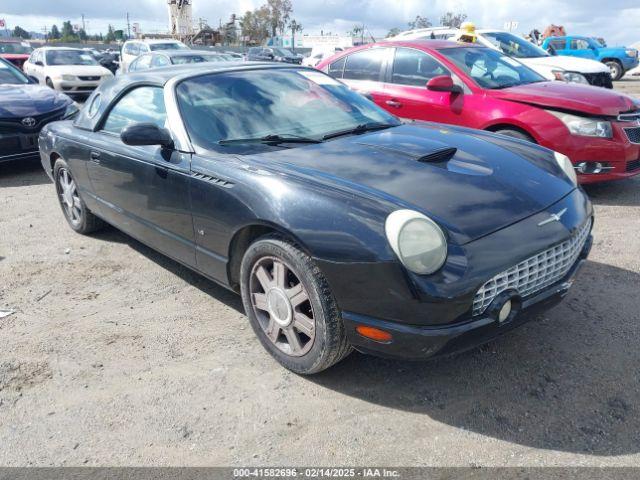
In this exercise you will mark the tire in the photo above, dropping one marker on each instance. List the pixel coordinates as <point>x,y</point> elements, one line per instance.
<point>49,83</point>
<point>280,284</point>
<point>515,134</point>
<point>75,211</point>
<point>617,72</point>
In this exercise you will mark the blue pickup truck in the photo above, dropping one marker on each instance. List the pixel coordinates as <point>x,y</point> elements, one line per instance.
<point>618,59</point>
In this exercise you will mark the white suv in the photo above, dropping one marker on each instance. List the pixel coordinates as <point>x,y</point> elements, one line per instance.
<point>132,49</point>
<point>552,67</point>
<point>69,70</point>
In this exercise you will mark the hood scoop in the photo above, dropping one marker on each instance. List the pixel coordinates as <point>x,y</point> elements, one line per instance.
<point>439,156</point>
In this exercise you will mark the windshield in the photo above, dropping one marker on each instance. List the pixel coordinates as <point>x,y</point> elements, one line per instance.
<point>69,57</point>
<point>167,46</point>
<point>514,46</point>
<point>10,75</point>
<point>282,52</point>
<point>491,68</point>
<point>182,59</point>
<point>20,48</point>
<point>287,102</point>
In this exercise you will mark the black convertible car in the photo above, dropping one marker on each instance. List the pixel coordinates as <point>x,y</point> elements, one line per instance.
<point>340,226</point>
<point>24,109</point>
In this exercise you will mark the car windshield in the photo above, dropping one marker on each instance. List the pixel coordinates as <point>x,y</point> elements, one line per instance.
<point>282,52</point>
<point>10,75</point>
<point>183,59</point>
<point>69,57</point>
<point>20,48</point>
<point>167,46</point>
<point>490,68</point>
<point>514,46</point>
<point>283,103</point>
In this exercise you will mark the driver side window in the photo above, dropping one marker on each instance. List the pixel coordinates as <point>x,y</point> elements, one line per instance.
<point>411,67</point>
<point>142,105</point>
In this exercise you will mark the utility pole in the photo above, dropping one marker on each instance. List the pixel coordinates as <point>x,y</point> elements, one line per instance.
<point>128,27</point>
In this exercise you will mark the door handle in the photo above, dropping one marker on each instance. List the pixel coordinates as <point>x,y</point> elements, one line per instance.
<point>394,103</point>
<point>95,157</point>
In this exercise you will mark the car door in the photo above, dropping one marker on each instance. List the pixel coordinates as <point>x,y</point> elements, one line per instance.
<point>558,45</point>
<point>143,190</point>
<point>580,47</point>
<point>406,95</point>
<point>36,66</point>
<point>363,72</point>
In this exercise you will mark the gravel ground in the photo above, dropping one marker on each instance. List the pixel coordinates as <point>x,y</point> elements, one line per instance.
<point>117,355</point>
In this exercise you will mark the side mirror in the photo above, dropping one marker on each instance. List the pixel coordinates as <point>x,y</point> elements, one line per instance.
<point>443,83</point>
<point>33,79</point>
<point>141,134</point>
<point>39,63</point>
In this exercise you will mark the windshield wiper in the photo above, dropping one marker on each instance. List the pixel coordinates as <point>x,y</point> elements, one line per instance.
<point>270,139</point>
<point>363,128</point>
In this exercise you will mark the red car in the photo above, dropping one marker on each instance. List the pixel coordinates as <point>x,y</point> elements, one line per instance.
<point>478,87</point>
<point>15,51</point>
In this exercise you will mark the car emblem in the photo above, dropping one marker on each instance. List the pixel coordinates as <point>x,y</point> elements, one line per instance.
<point>555,217</point>
<point>29,122</point>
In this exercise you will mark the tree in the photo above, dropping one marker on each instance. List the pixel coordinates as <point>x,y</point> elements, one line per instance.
<point>393,32</point>
<point>68,35</point>
<point>19,32</point>
<point>111,36</point>
<point>55,33</point>
<point>420,22</point>
<point>255,25</point>
<point>279,14</point>
<point>82,35</point>
<point>453,20</point>
<point>295,28</point>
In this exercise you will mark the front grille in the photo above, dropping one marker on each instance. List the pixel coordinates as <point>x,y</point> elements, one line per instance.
<point>89,79</point>
<point>633,166</point>
<point>602,79</point>
<point>535,273</point>
<point>14,125</point>
<point>633,134</point>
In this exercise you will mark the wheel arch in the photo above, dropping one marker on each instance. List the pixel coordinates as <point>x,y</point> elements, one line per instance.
<point>53,157</point>
<point>510,126</point>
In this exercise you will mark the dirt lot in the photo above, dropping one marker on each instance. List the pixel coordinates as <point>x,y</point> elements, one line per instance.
<point>119,356</point>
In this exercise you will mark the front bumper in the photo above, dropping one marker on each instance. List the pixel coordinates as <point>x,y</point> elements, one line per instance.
<point>76,87</point>
<point>413,342</point>
<point>17,146</point>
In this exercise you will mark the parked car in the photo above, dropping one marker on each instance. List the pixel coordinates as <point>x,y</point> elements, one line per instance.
<point>317,55</point>
<point>482,88</point>
<point>15,51</point>
<point>552,67</point>
<point>273,54</point>
<point>132,49</point>
<point>175,57</point>
<point>340,226</point>
<point>69,70</point>
<point>24,109</point>
<point>618,59</point>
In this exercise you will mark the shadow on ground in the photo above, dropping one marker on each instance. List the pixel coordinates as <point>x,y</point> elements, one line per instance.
<point>568,381</point>
<point>623,193</point>
<point>22,174</point>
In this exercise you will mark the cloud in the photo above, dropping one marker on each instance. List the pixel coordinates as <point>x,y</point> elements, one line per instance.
<point>618,22</point>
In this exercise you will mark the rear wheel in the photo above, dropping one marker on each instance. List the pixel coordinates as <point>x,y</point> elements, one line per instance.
<point>515,134</point>
<point>75,211</point>
<point>290,307</point>
<point>616,69</point>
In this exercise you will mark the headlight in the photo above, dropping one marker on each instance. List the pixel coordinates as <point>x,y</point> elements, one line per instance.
<point>566,166</point>
<point>71,111</point>
<point>583,126</point>
<point>571,77</point>
<point>68,78</point>
<point>417,241</point>
<point>633,53</point>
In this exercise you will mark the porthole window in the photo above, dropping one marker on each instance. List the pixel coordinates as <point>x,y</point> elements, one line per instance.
<point>95,106</point>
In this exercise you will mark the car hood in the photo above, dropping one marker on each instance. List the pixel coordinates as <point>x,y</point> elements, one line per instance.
<point>78,70</point>
<point>568,96</point>
<point>19,101</point>
<point>570,64</point>
<point>491,181</point>
<point>14,56</point>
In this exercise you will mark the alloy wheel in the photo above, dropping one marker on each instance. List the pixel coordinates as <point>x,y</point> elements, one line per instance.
<point>281,303</point>
<point>69,199</point>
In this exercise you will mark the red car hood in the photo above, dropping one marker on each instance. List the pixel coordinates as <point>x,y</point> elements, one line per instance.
<point>563,96</point>
<point>14,56</point>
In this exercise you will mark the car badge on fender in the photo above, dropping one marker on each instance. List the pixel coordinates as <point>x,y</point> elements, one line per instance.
<point>555,217</point>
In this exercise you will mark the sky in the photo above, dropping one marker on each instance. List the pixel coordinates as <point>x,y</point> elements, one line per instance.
<point>617,21</point>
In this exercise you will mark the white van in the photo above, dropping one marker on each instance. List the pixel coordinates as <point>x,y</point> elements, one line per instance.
<point>132,49</point>
<point>552,67</point>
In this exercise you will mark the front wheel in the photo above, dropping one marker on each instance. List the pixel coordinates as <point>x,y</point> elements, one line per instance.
<point>617,72</point>
<point>515,134</point>
<point>290,307</point>
<point>79,217</point>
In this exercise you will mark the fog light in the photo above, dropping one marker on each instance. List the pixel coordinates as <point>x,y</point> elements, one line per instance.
<point>374,334</point>
<point>505,311</point>
<point>592,168</point>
